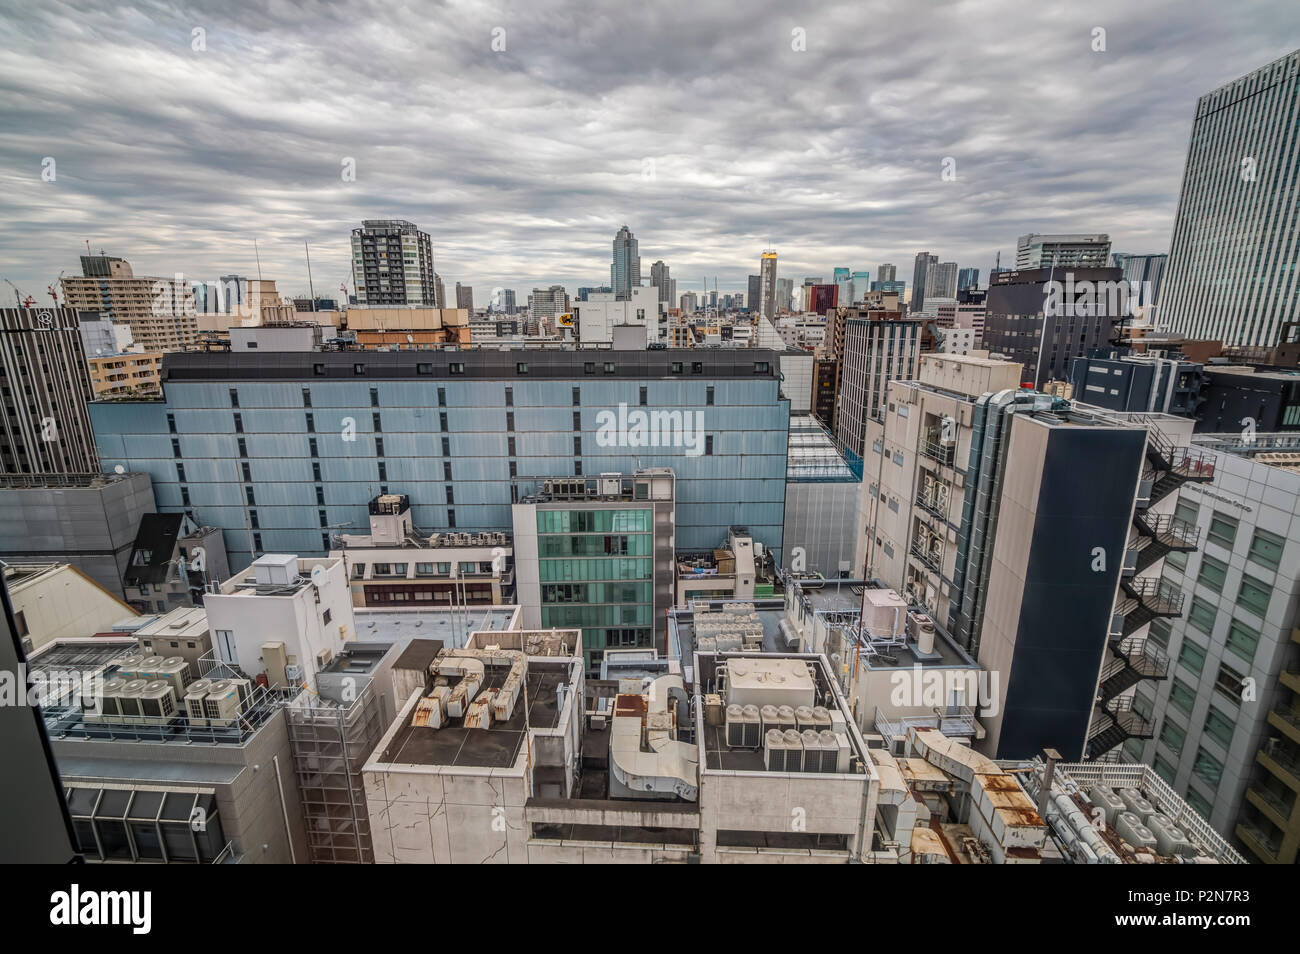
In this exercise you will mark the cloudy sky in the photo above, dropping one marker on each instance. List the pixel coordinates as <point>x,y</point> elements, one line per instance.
<point>522,135</point>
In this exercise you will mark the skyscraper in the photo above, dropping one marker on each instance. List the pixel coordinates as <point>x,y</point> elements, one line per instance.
<point>1144,273</point>
<point>159,311</point>
<point>920,276</point>
<point>941,281</point>
<point>625,270</point>
<point>968,278</point>
<point>886,273</point>
<point>785,294</point>
<point>392,264</point>
<point>464,296</point>
<point>1234,255</point>
<point>754,294</point>
<point>661,279</point>
<point>767,289</point>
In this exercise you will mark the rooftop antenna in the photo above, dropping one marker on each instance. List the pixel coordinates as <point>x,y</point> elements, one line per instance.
<point>258,255</point>
<point>310,288</point>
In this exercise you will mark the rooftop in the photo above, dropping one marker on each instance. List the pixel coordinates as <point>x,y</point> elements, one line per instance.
<point>451,625</point>
<point>813,455</point>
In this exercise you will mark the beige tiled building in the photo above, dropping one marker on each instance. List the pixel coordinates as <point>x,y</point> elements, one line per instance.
<point>128,374</point>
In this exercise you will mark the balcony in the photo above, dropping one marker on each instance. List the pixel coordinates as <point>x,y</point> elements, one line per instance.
<point>932,505</point>
<point>943,453</point>
<point>1264,843</point>
<point>1158,534</point>
<point>1280,761</point>
<point>1287,720</point>
<point>932,561</point>
<point>1291,679</point>
<point>1275,807</point>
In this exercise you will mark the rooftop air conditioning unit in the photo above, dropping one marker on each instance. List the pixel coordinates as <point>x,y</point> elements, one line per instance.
<point>158,702</point>
<point>222,704</point>
<point>103,708</point>
<point>128,700</point>
<point>735,727</point>
<point>194,696</point>
<point>176,670</point>
<point>323,658</point>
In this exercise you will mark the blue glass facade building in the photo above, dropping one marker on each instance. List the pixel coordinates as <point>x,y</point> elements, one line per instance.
<point>281,450</point>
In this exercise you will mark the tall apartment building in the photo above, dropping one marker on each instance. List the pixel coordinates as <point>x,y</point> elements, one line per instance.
<point>464,296</point>
<point>886,273</point>
<point>662,280</point>
<point>283,453</point>
<point>690,303</point>
<point>941,280</point>
<point>1227,722</point>
<point>121,375</point>
<point>971,506</point>
<point>1232,259</point>
<point>548,302</point>
<point>392,264</point>
<point>968,278</point>
<point>1043,326</point>
<point>767,301</point>
<point>596,554</point>
<point>625,270</point>
<point>921,278</point>
<point>784,293</point>
<point>754,294</point>
<point>879,347</point>
<point>44,387</point>
<point>159,316</point>
<point>1067,250</point>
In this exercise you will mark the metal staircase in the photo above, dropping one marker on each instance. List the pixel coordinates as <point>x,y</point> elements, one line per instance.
<point>1113,724</point>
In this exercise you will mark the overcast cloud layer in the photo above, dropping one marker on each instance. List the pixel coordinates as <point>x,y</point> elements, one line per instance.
<point>695,123</point>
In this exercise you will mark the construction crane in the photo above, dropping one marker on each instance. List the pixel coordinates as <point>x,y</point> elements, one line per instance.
<point>58,282</point>
<point>23,302</point>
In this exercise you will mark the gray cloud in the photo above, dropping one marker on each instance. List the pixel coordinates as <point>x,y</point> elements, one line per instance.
<point>522,163</point>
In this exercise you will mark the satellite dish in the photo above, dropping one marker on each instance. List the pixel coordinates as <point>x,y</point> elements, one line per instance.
<point>318,575</point>
<point>410,339</point>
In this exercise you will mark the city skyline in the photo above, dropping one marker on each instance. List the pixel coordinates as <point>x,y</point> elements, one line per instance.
<point>619,134</point>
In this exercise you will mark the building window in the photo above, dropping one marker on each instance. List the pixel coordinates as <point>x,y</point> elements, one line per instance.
<point>320,495</point>
<point>577,397</point>
<point>1266,548</point>
<point>456,367</point>
<point>510,397</point>
<point>321,516</point>
<point>1223,530</point>
<point>1213,573</point>
<point>577,446</point>
<point>423,367</point>
<point>383,470</point>
<point>318,370</point>
<point>379,447</point>
<point>1218,727</point>
<point>589,367</point>
<point>252,519</point>
<point>234,397</point>
<point>358,368</point>
<point>315,469</point>
<point>644,396</point>
<point>697,367</point>
<point>257,542</point>
<point>514,468</point>
<point>451,495</point>
<point>176,447</point>
<point>239,423</point>
<point>326,616</point>
<point>246,470</point>
<point>446,470</point>
<point>521,367</point>
<point>374,397</point>
<point>249,495</point>
<point>1254,595</point>
<point>510,446</point>
<point>1181,696</point>
<point>442,397</point>
<point>171,423</point>
<point>377,422</point>
<point>311,446</point>
<point>577,468</point>
<point>306,397</point>
<point>451,519</point>
<point>708,445</point>
<point>1202,615</point>
<point>1242,640</point>
<point>577,420</point>
<point>609,367</point>
<point>180,472</point>
<point>1172,736</point>
<point>1207,768</point>
<point>243,447</point>
<point>185,496</point>
<point>1229,682</point>
<point>446,447</point>
<point>676,367</point>
<point>442,421</point>
<point>708,395</point>
<point>1192,657</point>
<point>761,367</point>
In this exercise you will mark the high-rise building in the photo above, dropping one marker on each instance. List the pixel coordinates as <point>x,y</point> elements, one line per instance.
<point>392,264</point>
<point>46,385</point>
<point>879,347</point>
<point>1232,261</point>
<point>941,280</point>
<point>625,270</point>
<point>160,311</point>
<point>1224,724</point>
<point>968,278</point>
<point>1045,317</point>
<point>690,303</point>
<point>784,294</point>
<point>767,288</point>
<point>464,296</point>
<point>661,279</point>
<point>1144,274</point>
<point>886,273</point>
<point>439,292</point>
<point>840,275</point>
<point>921,278</point>
<point>755,294</point>
<point>1075,250</point>
<point>548,302</point>
<point>971,509</point>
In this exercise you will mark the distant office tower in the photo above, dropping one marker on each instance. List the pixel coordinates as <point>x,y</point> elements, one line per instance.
<point>1062,251</point>
<point>464,296</point>
<point>549,302</point>
<point>690,302</point>
<point>625,270</point>
<point>1144,274</point>
<point>755,292</point>
<point>503,301</point>
<point>661,278</point>
<point>941,281</point>
<point>785,294</point>
<point>886,273</point>
<point>767,287</point>
<point>160,313</point>
<point>967,278</point>
<point>920,278</point>
<point>840,275</point>
<point>46,383</point>
<point>223,296</point>
<point>1232,261</point>
<point>821,298</point>
<point>891,288</point>
<point>439,293</point>
<point>392,264</point>
<point>586,291</point>
<point>879,347</point>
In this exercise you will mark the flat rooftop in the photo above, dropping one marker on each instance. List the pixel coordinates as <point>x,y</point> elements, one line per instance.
<point>451,626</point>
<point>496,747</point>
<point>813,455</point>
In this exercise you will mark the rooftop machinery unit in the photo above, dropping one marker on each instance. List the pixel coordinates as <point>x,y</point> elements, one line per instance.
<point>128,700</point>
<point>194,696</point>
<point>102,706</point>
<point>157,702</point>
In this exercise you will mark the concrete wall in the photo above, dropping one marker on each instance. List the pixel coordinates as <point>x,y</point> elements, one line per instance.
<point>64,603</point>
